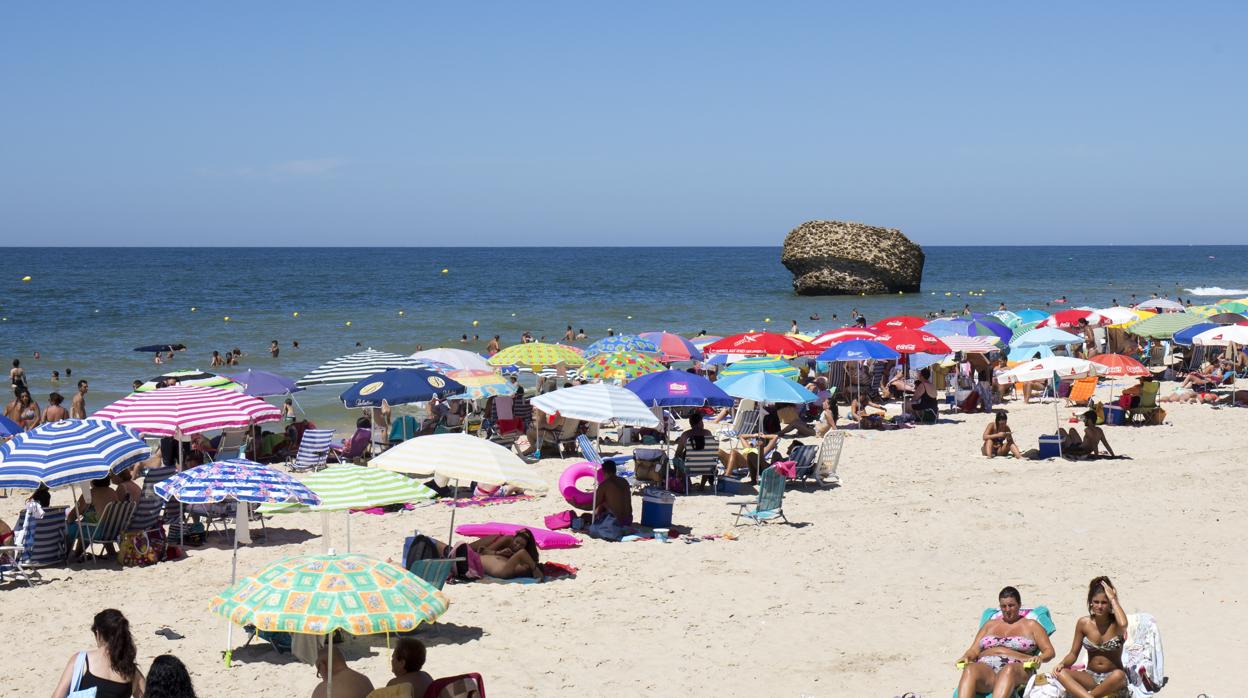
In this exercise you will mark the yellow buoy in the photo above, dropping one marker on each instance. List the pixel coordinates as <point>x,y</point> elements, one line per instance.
<point>630,317</point>
<point>26,279</point>
<point>474,323</point>
<point>295,314</point>
<point>402,313</point>
<point>348,323</point>
<point>193,308</point>
<point>227,318</point>
<point>446,271</point>
<point>901,293</point>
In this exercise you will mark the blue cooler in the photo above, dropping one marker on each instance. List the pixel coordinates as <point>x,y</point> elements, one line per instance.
<point>656,508</point>
<point>1050,446</point>
<point>1115,415</point>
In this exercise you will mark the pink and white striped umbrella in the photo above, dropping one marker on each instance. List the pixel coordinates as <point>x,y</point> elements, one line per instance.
<point>185,410</point>
<point>843,334</point>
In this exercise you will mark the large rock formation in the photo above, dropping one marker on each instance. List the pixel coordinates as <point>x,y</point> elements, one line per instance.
<point>838,258</point>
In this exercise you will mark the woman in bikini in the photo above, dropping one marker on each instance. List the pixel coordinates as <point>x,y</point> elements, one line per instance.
<point>28,414</point>
<point>1102,633</point>
<point>994,663</point>
<point>999,439</point>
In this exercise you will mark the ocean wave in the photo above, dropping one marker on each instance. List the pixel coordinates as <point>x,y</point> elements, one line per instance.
<point>1217,291</point>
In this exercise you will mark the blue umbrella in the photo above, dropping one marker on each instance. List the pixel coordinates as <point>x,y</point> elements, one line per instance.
<point>765,387</point>
<point>620,342</point>
<point>69,451</point>
<point>263,384</point>
<point>1031,315</point>
<point>399,386</point>
<point>1045,337</point>
<point>9,427</point>
<point>678,389</point>
<point>1184,336</point>
<point>922,360</point>
<point>990,327</point>
<point>858,350</point>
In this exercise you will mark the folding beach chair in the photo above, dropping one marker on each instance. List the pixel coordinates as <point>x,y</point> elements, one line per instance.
<point>108,529</point>
<point>703,463</point>
<point>805,458</point>
<point>50,548</point>
<point>829,458</point>
<point>770,501</point>
<point>15,558</point>
<point>1081,391</point>
<point>1040,614</point>
<point>462,686</point>
<point>590,453</point>
<point>313,451</point>
<point>1148,403</point>
<point>745,422</point>
<point>231,445</point>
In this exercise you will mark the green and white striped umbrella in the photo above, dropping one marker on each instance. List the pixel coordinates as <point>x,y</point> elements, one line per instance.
<point>195,377</point>
<point>345,486</point>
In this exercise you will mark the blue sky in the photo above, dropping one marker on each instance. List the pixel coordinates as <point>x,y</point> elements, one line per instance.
<point>621,123</point>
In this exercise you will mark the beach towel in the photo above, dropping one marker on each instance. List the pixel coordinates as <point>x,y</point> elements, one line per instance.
<point>545,540</point>
<point>1142,656</point>
<point>551,572</point>
<point>488,500</point>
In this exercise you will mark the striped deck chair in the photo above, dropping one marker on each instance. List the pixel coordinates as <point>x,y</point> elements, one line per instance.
<point>231,445</point>
<point>15,558</point>
<point>313,451</point>
<point>829,458</point>
<point>49,537</point>
<point>704,463</point>
<point>462,686</point>
<point>108,529</point>
<point>746,422</point>
<point>155,476</point>
<point>435,570</point>
<point>590,453</point>
<point>522,410</point>
<point>770,501</point>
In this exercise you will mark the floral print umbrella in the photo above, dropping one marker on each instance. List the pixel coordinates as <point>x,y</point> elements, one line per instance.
<point>238,479</point>
<point>622,366</point>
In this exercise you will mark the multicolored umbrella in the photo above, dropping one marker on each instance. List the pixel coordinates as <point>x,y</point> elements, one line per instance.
<point>69,451</point>
<point>536,354</point>
<point>238,479</point>
<point>621,342</point>
<point>353,368</point>
<point>1005,317</point>
<point>761,364</point>
<point>844,334</point>
<point>1187,334</point>
<point>1222,336</point>
<point>970,328</point>
<point>481,384</point>
<point>762,344</point>
<point>344,486</point>
<point>185,410</point>
<point>321,594</point>
<point>621,366</point>
<point>191,377</point>
<point>673,347</point>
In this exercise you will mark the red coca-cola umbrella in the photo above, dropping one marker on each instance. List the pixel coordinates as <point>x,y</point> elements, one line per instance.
<point>907,341</point>
<point>762,344</point>
<point>897,322</point>
<point>844,334</point>
<point>1065,319</point>
<point>1120,365</point>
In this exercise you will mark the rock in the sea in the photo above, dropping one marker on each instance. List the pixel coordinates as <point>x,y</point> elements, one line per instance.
<point>839,258</point>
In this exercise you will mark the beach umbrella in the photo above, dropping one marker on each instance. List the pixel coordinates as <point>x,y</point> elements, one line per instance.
<point>454,359</point>
<point>1028,352</point>
<point>479,384</point>
<point>69,451</point>
<point>1203,310</point>
<point>898,322</point>
<point>673,347</point>
<point>620,366</point>
<point>1163,326</point>
<point>1232,307</point>
<point>1065,319</point>
<point>843,334</point>
<point>1030,315</point>
<point>181,411</point>
<point>970,328</point>
<point>344,487</point>
<point>1004,317</point>
<point>766,387</point>
<point>1185,335</point>
<point>597,402</point>
<point>1120,315</point>
<point>193,377</point>
<point>1045,337</point>
<point>1161,305</point>
<point>859,350</point>
<point>155,348</point>
<point>1222,336</point>
<point>322,594</point>
<point>1049,368</point>
<point>701,342</point>
<point>672,388</point>
<point>621,342</point>
<point>760,364</point>
<point>967,345</point>
<point>909,341</point>
<point>760,344</point>
<point>1118,365</point>
<point>399,386</point>
<point>725,359</point>
<point>9,427</point>
<point>263,383</point>
<point>353,368</point>
<point>536,354</point>
<point>1227,318</point>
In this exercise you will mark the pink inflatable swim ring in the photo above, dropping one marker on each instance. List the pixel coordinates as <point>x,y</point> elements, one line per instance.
<point>576,496</point>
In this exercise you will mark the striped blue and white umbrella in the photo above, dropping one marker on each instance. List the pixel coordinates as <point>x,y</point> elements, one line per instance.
<point>69,451</point>
<point>238,479</point>
<point>354,368</point>
<point>597,402</point>
<point>621,342</point>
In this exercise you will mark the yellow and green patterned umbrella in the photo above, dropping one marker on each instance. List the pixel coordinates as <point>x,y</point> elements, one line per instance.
<point>480,384</point>
<point>621,366</point>
<point>318,594</point>
<point>536,355</point>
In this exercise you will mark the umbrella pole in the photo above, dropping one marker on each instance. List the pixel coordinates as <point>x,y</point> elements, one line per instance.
<point>1057,417</point>
<point>329,693</point>
<point>454,505</point>
<point>244,509</point>
<point>181,514</point>
<point>348,513</point>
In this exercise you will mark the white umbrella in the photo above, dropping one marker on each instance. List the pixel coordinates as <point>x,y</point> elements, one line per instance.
<point>459,359</point>
<point>969,345</point>
<point>1045,369</point>
<point>1118,315</point>
<point>597,402</point>
<point>1222,336</point>
<point>1160,305</point>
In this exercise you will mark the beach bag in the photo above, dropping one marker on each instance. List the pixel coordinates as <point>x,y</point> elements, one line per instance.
<point>970,403</point>
<point>137,550</point>
<point>80,669</point>
<point>418,547</point>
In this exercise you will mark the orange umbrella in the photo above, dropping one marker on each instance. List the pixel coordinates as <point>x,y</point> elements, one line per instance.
<point>1120,365</point>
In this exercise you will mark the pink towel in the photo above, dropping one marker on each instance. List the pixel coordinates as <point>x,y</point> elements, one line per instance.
<point>787,468</point>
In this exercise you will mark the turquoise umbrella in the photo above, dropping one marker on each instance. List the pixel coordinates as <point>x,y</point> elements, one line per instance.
<point>765,387</point>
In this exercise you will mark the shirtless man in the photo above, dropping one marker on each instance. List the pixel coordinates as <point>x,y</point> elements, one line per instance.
<point>348,683</point>
<point>613,512</point>
<point>492,347</point>
<point>78,406</point>
<point>1089,445</point>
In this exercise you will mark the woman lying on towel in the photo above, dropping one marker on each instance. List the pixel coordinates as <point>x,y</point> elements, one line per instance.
<point>504,557</point>
<point>1102,633</point>
<point>994,661</point>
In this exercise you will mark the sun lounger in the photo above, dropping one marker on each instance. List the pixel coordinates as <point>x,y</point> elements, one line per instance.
<point>1040,614</point>
<point>462,686</point>
<point>313,451</point>
<point>770,501</point>
<point>14,559</point>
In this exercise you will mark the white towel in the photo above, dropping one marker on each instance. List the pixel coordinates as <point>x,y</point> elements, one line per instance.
<point>241,519</point>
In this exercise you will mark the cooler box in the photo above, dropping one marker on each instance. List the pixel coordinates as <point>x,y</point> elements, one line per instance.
<point>1050,446</point>
<point>656,508</point>
<point>1115,415</point>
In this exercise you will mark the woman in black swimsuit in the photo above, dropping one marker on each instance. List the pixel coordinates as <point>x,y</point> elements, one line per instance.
<point>109,668</point>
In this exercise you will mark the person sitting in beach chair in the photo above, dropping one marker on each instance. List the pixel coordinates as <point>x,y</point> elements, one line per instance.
<point>1090,443</point>
<point>356,447</point>
<point>999,439</point>
<point>752,449</point>
<point>1004,651</point>
<point>924,405</point>
<point>859,412</point>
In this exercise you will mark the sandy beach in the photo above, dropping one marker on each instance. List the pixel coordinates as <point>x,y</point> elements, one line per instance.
<point>873,590</point>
